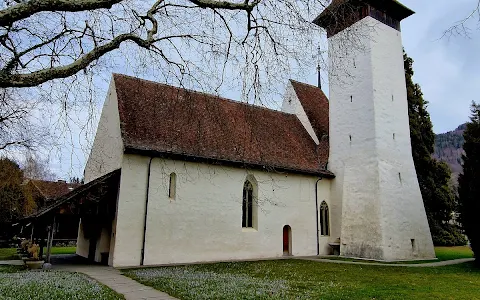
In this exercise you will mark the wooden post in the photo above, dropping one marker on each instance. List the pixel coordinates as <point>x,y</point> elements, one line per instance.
<point>51,231</point>
<point>42,243</point>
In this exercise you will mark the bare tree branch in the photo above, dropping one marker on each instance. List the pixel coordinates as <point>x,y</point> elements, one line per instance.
<point>462,27</point>
<point>246,5</point>
<point>15,129</point>
<point>26,9</point>
<point>70,43</point>
<point>39,77</point>
<point>194,40</point>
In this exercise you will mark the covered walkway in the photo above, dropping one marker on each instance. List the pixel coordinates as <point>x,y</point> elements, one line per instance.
<point>94,204</point>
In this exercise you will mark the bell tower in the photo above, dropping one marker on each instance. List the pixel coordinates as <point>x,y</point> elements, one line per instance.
<point>376,186</point>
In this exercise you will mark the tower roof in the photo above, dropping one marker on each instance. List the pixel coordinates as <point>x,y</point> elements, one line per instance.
<point>391,7</point>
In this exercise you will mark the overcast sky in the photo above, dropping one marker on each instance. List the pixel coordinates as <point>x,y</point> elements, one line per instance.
<point>446,68</point>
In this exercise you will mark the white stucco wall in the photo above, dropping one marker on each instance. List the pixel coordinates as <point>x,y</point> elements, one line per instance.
<point>292,105</point>
<point>82,242</point>
<point>107,148</point>
<point>130,211</point>
<point>103,244</point>
<point>112,240</point>
<point>404,217</point>
<point>380,214</point>
<point>204,221</point>
<point>105,156</point>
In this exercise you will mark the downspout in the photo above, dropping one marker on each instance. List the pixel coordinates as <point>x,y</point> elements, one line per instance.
<point>316,215</point>
<point>146,212</point>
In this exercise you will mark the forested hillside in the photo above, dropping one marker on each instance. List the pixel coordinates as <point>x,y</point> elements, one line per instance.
<point>448,148</point>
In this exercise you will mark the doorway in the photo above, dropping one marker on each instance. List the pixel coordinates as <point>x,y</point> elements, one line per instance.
<point>92,249</point>
<point>287,240</point>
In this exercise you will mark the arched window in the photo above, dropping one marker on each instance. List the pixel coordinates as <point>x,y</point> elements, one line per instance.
<point>247,205</point>
<point>324,219</point>
<point>172,186</point>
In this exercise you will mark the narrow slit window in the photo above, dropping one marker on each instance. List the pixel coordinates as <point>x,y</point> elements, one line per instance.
<point>351,98</point>
<point>172,186</point>
<point>324,219</point>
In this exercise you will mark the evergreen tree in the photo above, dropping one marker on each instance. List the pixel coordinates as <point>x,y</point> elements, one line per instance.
<point>16,201</point>
<point>469,182</point>
<point>11,194</point>
<point>433,176</point>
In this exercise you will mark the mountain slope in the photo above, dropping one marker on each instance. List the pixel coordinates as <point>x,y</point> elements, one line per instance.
<point>448,148</point>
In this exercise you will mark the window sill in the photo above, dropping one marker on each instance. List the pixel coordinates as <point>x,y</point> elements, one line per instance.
<point>248,229</point>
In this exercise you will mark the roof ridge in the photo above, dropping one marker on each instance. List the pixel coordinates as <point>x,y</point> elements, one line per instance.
<point>221,98</point>
<point>307,84</point>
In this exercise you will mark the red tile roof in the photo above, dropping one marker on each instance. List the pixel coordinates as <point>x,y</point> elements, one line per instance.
<point>169,120</point>
<point>316,107</point>
<point>53,189</point>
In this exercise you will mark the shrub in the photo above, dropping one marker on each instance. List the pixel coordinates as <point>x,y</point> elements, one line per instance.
<point>448,235</point>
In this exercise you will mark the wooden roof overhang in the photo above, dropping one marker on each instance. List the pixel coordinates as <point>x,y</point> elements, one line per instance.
<point>96,198</point>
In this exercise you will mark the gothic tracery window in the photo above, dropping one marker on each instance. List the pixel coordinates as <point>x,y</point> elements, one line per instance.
<point>247,205</point>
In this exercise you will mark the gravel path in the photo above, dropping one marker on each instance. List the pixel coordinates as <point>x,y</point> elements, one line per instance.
<point>112,278</point>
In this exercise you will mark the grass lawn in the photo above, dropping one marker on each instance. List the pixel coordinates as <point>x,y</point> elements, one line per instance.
<point>449,253</point>
<point>15,283</point>
<point>62,250</point>
<point>11,253</point>
<point>8,253</point>
<point>298,279</point>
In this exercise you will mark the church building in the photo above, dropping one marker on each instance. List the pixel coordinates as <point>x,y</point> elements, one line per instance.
<point>202,178</point>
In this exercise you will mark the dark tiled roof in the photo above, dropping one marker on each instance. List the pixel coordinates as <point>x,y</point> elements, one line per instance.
<point>168,120</point>
<point>330,10</point>
<point>393,7</point>
<point>54,189</point>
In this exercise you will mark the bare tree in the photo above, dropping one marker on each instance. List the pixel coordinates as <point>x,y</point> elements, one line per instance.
<point>43,40</point>
<point>15,125</point>
<point>251,45</point>
<point>35,167</point>
<point>463,26</point>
